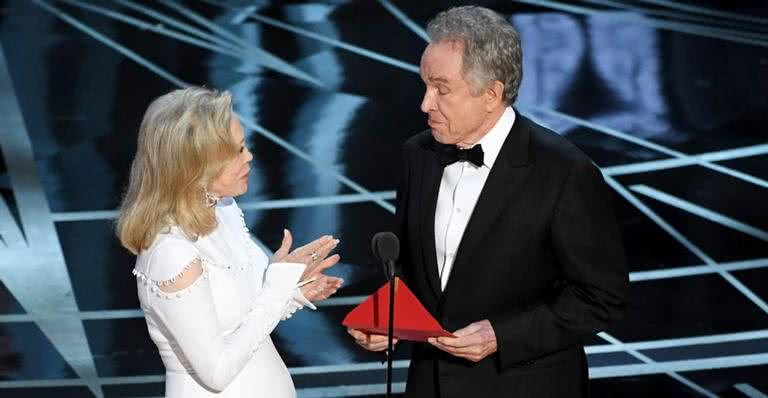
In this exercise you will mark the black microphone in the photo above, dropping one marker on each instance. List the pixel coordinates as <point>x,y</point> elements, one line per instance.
<point>386,248</point>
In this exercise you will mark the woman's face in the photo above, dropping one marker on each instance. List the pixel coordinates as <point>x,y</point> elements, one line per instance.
<point>233,180</point>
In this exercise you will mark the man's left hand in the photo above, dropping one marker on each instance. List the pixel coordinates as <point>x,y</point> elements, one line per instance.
<point>474,342</point>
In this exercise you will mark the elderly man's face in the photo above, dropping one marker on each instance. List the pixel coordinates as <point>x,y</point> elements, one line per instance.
<point>455,114</point>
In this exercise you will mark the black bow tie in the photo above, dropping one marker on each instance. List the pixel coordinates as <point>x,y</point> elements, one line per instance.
<point>449,154</point>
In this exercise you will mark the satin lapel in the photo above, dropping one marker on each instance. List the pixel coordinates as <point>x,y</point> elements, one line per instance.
<point>430,186</point>
<point>508,172</point>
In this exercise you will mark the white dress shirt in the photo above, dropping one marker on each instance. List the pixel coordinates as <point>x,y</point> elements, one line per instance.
<point>460,188</point>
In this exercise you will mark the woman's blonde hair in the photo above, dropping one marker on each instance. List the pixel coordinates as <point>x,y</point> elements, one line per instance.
<point>184,144</point>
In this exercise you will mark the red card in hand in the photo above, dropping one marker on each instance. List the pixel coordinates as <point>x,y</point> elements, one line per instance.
<point>412,321</point>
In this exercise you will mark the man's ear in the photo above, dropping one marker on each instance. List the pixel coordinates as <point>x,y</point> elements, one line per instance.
<point>494,95</point>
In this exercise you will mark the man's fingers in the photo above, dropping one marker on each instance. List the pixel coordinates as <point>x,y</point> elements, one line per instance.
<point>377,338</point>
<point>474,342</point>
<point>360,337</point>
<point>374,338</point>
<point>376,346</point>
<point>460,342</point>
<point>379,345</point>
<point>442,347</point>
<point>371,342</point>
<point>469,329</point>
<point>464,352</point>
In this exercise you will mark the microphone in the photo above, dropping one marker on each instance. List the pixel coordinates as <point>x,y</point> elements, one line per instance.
<point>386,248</point>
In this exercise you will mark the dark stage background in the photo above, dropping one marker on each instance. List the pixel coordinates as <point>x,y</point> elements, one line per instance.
<point>668,97</point>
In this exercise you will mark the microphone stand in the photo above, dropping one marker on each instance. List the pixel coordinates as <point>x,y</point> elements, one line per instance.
<point>390,331</point>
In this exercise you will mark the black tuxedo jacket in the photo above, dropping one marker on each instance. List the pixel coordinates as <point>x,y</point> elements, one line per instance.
<point>541,258</point>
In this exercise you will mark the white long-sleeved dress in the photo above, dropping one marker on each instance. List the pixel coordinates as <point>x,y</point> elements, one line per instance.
<point>213,336</point>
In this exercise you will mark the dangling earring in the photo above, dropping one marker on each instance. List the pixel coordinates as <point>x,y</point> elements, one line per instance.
<point>210,198</point>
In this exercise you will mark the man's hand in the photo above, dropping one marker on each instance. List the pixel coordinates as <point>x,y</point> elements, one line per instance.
<point>371,342</point>
<point>474,342</point>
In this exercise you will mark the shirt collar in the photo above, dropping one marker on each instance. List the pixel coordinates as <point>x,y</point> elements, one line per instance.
<point>494,140</point>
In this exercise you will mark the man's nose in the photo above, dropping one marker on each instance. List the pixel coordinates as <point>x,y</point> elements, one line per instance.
<point>427,103</point>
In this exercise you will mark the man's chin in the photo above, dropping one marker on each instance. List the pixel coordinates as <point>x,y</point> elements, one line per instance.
<point>438,135</point>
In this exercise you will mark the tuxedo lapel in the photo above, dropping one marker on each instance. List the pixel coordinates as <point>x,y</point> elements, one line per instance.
<point>430,187</point>
<point>508,172</point>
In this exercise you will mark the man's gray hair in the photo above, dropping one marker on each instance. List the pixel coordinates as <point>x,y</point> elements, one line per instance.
<point>492,48</point>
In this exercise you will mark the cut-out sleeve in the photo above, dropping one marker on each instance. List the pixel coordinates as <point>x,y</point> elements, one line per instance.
<point>178,295</point>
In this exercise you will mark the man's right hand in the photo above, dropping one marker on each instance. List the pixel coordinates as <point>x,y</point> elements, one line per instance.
<point>371,342</point>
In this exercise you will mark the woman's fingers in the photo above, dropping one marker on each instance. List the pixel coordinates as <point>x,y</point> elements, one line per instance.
<point>322,288</point>
<point>319,262</point>
<point>327,248</point>
<point>328,262</point>
<point>328,292</point>
<point>321,254</point>
<point>285,246</point>
<point>303,255</point>
<point>314,269</point>
<point>336,282</point>
<point>332,285</point>
<point>312,254</point>
<point>312,247</point>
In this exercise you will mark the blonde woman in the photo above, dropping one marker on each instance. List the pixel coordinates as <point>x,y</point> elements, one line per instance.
<point>210,296</point>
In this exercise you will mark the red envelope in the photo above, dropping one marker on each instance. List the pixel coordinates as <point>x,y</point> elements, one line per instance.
<point>412,321</point>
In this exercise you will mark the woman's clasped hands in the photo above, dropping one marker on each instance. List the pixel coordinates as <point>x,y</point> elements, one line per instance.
<point>315,286</point>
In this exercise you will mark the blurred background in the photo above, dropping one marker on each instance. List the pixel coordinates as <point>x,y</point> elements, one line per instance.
<point>669,98</point>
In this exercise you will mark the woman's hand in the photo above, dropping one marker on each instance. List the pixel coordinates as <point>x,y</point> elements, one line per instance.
<point>321,288</point>
<point>314,255</point>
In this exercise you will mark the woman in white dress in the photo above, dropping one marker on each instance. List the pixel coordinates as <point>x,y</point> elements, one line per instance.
<point>210,295</point>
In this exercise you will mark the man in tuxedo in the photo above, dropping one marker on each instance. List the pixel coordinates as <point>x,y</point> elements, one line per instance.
<point>507,231</point>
